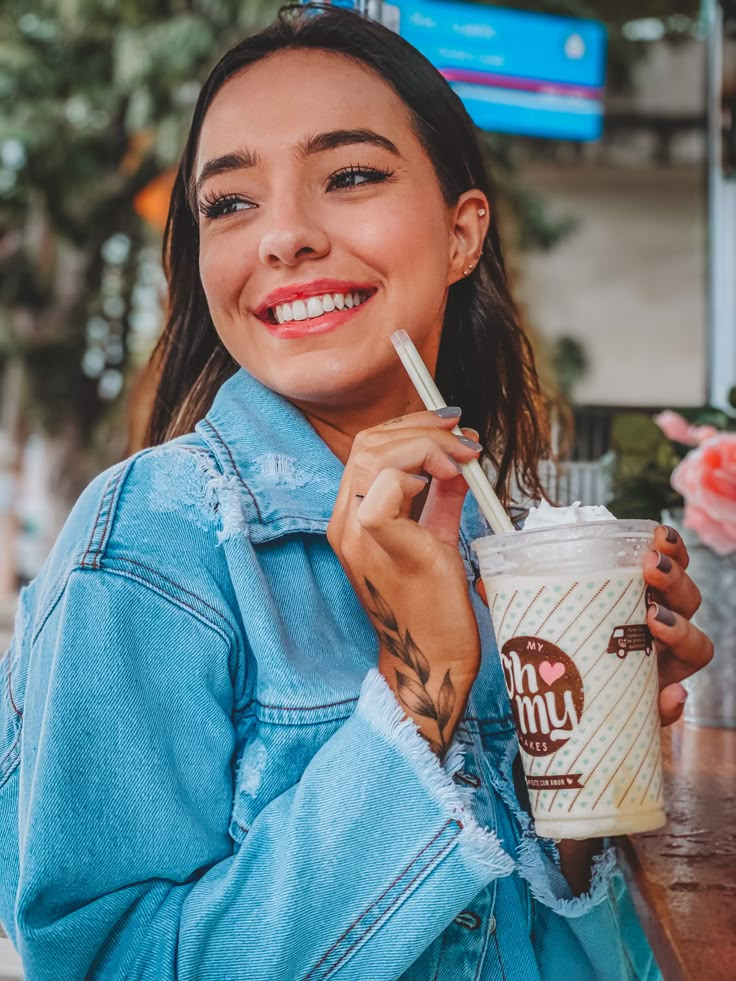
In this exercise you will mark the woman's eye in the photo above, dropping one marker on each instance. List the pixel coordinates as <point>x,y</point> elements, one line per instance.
<point>226,204</point>
<point>352,177</point>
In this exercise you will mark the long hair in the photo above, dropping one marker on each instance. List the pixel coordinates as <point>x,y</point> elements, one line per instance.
<point>485,362</point>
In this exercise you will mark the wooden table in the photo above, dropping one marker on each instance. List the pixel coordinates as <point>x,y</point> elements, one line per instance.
<point>683,877</point>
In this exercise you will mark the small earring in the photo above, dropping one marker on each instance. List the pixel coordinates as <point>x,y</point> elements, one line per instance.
<point>481,212</point>
<point>468,270</point>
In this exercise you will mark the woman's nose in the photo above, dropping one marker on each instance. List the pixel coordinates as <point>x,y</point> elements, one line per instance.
<point>293,235</point>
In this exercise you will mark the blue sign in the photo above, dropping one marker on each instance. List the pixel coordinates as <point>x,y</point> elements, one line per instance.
<point>516,72</point>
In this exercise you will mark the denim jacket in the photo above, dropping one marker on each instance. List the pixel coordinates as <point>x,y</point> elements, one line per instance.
<point>203,776</point>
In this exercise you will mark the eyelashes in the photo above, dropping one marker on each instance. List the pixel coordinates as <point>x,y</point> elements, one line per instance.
<point>216,205</point>
<point>356,176</point>
<point>213,205</point>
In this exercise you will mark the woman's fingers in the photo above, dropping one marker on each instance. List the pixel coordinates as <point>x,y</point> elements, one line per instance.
<point>671,703</point>
<point>383,515</point>
<point>671,584</point>
<point>668,541</point>
<point>683,648</point>
<point>388,498</point>
<point>443,509</point>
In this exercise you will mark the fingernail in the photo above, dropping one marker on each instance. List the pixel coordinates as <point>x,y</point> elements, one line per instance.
<point>665,616</point>
<point>454,462</point>
<point>420,476</point>
<point>670,534</point>
<point>471,433</point>
<point>470,443</point>
<point>448,412</point>
<point>664,562</point>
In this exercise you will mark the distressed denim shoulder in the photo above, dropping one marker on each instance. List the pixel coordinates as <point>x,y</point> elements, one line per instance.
<point>203,776</point>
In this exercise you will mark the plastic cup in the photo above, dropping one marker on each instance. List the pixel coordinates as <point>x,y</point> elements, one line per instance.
<point>568,605</point>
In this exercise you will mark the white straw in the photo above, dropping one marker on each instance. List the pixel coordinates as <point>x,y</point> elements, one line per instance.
<point>473,472</point>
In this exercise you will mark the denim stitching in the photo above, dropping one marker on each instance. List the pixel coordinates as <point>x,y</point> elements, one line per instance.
<point>222,442</point>
<point>177,601</point>
<point>173,582</point>
<point>17,711</point>
<point>376,901</point>
<point>112,505</point>
<point>104,497</point>
<point>391,905</point>
<point>10,752</point>
<point>298,708</point>
<point>94,528</point>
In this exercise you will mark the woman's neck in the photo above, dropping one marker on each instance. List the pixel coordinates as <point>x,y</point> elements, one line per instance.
<point>338,427</point>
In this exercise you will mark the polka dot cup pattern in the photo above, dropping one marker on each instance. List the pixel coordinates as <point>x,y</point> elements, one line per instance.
<point>568,606</point>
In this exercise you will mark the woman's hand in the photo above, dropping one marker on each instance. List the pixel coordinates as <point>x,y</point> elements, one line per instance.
<point>682,649</point>
<point>408,574</point>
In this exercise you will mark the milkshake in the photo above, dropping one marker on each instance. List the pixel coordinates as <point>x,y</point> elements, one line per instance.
<point>568,604</point>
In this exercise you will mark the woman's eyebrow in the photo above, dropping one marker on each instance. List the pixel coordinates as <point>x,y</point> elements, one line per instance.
<point>345,137</point>
<point>235,160</point>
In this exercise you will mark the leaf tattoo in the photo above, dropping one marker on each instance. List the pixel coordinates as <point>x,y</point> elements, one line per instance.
<point>382,610</point>
<point>412,688</point>
<point>445,701</point>
<point>415,696</point>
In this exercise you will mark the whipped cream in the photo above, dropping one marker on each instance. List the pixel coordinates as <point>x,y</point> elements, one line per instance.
<point>547,516</point>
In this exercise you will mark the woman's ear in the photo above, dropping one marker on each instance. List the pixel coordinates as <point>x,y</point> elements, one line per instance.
<point>469,225</point>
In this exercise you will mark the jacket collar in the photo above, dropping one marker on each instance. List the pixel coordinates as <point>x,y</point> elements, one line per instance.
<point>288,477</point>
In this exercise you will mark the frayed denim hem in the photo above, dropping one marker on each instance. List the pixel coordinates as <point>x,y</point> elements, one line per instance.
<point>548,885</point>
<point>377,705</point>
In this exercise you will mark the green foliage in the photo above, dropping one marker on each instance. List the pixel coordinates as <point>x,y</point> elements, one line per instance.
<point>644,460</point>
<point>95,101</point>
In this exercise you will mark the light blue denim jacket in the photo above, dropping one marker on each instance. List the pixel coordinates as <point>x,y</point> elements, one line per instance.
<point>203,776</point>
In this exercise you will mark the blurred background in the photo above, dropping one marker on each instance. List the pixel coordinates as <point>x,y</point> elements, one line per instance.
<point>620,234</point>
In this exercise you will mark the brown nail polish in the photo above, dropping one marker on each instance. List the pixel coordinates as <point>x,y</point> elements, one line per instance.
<point>664,616</point>
<point>664,563</point>
<point>670,534</point>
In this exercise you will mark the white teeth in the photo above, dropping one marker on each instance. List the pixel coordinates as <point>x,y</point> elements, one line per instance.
<point>315,306</point>
<point>298,310</point>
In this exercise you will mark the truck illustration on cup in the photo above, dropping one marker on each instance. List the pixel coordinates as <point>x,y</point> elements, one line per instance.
<point>630,637</point>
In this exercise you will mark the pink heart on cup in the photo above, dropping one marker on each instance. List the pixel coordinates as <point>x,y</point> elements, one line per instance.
<point>551,672</point>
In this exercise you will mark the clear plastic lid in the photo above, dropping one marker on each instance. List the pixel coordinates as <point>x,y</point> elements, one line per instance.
<point>555,551</point>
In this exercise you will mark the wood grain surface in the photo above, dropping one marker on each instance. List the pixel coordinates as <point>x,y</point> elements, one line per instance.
<point>683,877</point>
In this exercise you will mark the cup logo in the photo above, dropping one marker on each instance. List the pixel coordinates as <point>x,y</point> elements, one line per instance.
<point>546,693</point>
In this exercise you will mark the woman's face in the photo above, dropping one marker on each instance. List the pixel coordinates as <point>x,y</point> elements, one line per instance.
<point>322,229</point>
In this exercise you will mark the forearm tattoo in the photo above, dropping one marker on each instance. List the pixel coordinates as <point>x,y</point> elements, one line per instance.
<point>412,683</point>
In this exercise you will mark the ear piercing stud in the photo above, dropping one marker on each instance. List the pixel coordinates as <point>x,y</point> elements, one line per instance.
<point>481,212</point>
<point>469,269</point>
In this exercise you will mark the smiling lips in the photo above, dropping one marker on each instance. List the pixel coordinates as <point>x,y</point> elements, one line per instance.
<point>313,308</point>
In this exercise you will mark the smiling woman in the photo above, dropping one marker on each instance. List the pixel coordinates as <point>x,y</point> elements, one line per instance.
<point>253,722</point>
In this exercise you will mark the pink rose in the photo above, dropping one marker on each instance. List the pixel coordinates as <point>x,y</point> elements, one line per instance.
<point>679,430</point>
<point>706,478</point>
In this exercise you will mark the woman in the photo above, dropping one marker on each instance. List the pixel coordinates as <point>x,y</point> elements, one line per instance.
<point>211,766</point>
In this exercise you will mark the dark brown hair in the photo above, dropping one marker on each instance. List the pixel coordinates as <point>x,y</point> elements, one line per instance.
<point>485,363</point>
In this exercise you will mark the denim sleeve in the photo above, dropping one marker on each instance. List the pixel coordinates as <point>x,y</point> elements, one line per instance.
<point>126,790</point>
